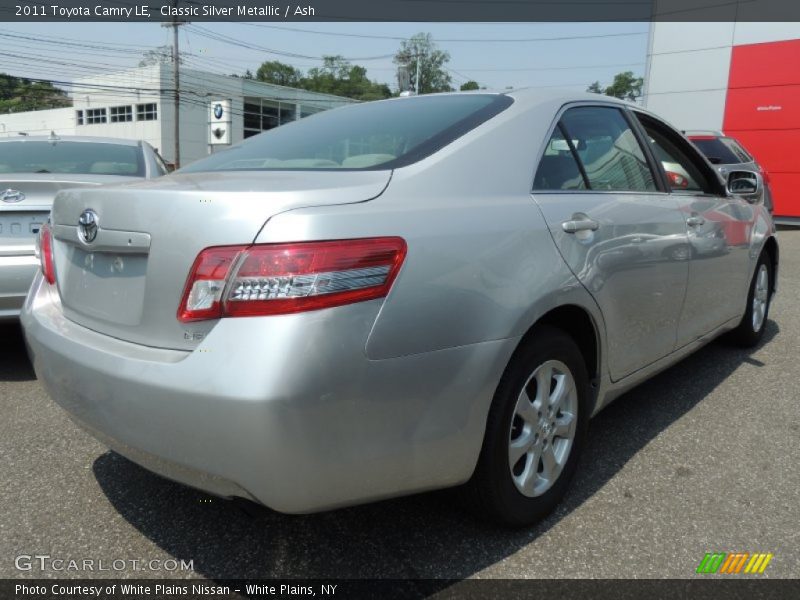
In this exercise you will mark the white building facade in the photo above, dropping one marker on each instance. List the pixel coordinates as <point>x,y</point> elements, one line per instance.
<point>742,78</point>
<point>139,104</point>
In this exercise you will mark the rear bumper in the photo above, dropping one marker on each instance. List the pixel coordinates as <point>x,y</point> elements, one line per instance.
<point>287,411</point>
<point>16,275</point>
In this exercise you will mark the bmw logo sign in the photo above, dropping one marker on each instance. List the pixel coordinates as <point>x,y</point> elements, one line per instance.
<point>218,111</point>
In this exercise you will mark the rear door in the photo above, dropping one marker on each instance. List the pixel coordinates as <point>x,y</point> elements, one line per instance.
<point>719,229</point>
<point>617,228</point>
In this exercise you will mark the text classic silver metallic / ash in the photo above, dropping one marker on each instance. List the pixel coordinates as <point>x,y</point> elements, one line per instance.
<point>396,296</point>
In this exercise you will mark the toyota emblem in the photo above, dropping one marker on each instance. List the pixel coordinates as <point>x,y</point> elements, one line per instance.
<point>88,224</point>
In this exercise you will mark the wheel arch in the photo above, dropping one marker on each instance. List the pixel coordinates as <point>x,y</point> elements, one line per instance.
<point>578,323</point>
<point>772,250</point>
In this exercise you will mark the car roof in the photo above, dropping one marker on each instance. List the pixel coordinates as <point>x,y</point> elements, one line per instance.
<point>72,138</point>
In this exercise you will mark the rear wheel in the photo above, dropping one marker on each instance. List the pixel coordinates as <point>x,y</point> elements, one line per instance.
<point>751,328</point>
<point>535,431</point>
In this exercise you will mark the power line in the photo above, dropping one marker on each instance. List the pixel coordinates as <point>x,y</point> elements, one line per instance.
<point>453,40</point>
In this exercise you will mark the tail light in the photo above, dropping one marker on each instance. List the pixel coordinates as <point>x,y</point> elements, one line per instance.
<point>275,279</point>
<point>46,253</point>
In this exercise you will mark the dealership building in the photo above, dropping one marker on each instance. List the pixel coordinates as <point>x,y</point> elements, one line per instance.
<point>139,104</point>
<point>740,78</point>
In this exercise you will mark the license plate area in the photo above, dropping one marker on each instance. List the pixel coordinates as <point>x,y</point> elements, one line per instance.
<point>102,285</point>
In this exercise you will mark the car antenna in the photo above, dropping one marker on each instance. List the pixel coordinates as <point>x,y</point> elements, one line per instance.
<point>53,137</point>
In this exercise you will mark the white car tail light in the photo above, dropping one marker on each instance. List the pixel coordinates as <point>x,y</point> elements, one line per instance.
<point>45,243</point>
<point>274,279</point>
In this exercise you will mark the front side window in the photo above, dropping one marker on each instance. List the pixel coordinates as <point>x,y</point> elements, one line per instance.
<point>373,135</point>
<point>681,163</point>
<point>606,149</point>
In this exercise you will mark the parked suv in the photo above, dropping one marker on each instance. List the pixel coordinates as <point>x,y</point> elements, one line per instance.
<point>728,155</point>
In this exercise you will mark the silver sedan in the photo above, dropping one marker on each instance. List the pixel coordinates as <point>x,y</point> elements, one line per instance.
<point>32,170</point>
<point>395,296</point>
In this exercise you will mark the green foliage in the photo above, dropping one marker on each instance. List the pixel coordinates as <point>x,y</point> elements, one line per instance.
<point>274,71</point>
<point>625,86</point>
<point>470,85</point>
<point>18,94</point>
<point>433,77</point>
<point>595,88</point>
<point>336,76</point>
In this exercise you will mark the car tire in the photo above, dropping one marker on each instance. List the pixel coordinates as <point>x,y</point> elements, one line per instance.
<point>553,425</point>
<point>751,328</point>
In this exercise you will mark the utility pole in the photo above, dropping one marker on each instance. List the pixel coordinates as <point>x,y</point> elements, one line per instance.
<point>416,79</point>
<point>175,23</point>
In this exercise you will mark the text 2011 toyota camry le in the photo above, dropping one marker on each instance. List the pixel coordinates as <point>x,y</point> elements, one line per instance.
<point>396,296</point>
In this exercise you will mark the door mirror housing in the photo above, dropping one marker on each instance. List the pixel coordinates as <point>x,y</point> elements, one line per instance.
<point>744,183</point>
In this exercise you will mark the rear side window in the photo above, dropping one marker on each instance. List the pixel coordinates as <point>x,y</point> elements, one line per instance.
<point>722,151</point>
<point>373,135</point>
<point>602,146</point>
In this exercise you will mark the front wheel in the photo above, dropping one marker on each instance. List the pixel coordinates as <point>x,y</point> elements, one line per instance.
<point>751,328</point>
<point>535,431</point>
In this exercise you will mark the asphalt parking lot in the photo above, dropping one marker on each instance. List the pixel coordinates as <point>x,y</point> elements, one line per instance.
<point>702,458</point>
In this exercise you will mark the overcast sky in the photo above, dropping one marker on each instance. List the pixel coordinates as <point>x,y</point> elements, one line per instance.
<point>491,53</point>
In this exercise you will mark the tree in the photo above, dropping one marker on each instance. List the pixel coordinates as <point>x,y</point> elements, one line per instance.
<point>338,76</point>
<point>470,85</point>
<point>624,86</point>
<point>595,88</point>
<point>158,56</point>
<point>19,94</point>
<point>433,77</point>
<point>274,71</point>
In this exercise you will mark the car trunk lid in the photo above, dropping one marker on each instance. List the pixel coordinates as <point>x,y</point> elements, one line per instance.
<point>25,201</point>
<point>128,281</point>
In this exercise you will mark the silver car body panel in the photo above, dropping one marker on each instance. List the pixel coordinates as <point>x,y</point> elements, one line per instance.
<point>21,219</point>
<point>314,410</point>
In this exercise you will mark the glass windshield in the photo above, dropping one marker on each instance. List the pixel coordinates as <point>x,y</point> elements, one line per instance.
<point>85,158</point>
<point>373,135</point>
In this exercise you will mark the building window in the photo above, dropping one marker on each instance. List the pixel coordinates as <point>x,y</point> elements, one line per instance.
<point>120,114</point>
<point>263,115</point>
<point>146,112</point>
<point>79,117</point>
<point>95,115</point>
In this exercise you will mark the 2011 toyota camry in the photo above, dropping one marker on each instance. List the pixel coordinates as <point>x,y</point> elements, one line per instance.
<point>396,296</point>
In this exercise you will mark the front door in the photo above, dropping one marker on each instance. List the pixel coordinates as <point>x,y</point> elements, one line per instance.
<point>719,229</point>
<point>620,232</point>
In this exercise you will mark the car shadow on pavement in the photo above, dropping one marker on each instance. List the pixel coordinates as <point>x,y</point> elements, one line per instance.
<point>14,363</point>
<point>422,536</point>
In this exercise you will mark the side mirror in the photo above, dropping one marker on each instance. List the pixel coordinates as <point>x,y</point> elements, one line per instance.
<point>744,183</point>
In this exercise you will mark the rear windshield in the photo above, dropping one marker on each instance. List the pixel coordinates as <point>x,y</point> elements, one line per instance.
<point>373,135</point>
<point>724,151</point>
<point>84,158</point>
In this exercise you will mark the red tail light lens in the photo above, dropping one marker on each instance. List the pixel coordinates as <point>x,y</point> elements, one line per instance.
<point>274,279</point>
<point>46,253</point>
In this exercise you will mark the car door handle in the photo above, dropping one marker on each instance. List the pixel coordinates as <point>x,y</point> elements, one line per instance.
<point>576,225</point>
<point>695,221</point>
